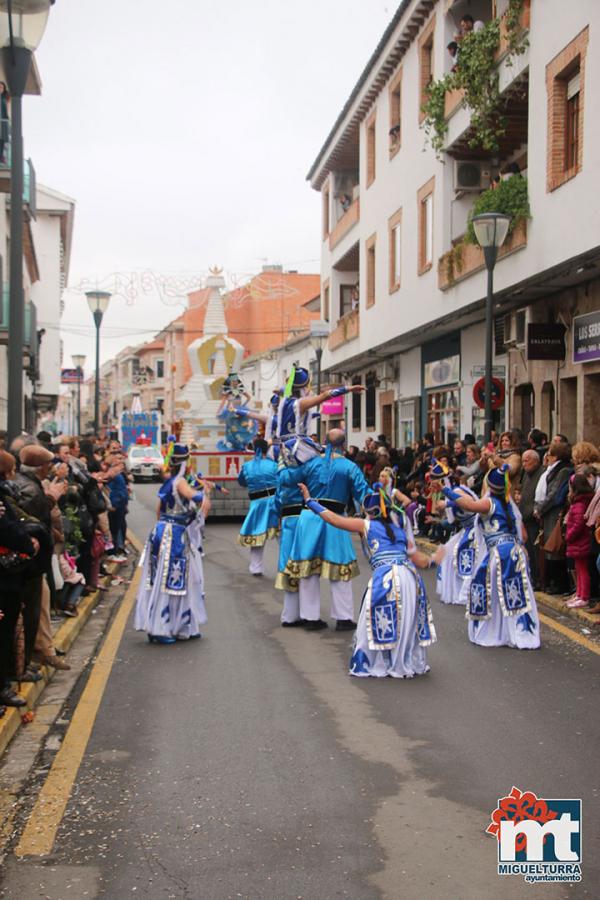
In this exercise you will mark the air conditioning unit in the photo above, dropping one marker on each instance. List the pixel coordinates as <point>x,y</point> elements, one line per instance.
<point>515,328</point>
<point>471,175</point>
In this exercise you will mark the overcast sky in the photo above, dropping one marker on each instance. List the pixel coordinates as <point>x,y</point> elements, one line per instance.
<point>184,131</point>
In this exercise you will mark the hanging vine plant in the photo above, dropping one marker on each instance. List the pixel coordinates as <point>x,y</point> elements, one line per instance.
<point>476,74</point>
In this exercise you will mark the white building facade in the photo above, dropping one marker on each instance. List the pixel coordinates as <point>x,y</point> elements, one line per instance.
<point>406,315</point>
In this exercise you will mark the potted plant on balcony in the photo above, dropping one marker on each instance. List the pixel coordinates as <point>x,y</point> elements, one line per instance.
<point>509,197</point>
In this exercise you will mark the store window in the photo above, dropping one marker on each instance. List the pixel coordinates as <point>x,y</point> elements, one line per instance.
<point>407,415</point>
<point>443,414</point>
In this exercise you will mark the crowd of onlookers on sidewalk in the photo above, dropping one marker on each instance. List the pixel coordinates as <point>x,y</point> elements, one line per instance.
<point>63,508</point>
<point>555,485</point>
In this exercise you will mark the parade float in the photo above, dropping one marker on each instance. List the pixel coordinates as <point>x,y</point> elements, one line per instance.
<point>206,408</point>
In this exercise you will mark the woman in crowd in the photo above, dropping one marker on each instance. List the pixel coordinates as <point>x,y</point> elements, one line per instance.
<point>395,625</point>
<point>501,606</point>
<point>170,601</point>
<point>578,538</point>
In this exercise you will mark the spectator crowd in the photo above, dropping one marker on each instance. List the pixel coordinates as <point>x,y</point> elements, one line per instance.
<point>555,485</point>
<point>63,508</point>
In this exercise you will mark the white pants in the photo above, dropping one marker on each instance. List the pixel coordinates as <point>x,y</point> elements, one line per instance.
<point>342,605</point>
<point>256,560</point>
<point>291,607</point>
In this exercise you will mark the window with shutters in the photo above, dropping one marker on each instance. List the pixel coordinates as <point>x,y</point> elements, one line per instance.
<point>499,335</point>
<point>565,85</point>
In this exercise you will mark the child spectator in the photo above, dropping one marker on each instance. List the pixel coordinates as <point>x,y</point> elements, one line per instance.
<point>578,538</point>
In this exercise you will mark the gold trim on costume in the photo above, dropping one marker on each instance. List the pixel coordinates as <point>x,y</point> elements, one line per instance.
<point>304,568</point>
<point>257,540</point>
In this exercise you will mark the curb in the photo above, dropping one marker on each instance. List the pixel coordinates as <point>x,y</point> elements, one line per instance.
<point>64,637</point>
<point>547,600</point>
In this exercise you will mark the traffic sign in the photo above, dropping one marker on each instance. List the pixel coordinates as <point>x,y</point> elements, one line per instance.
<point>497,393</point>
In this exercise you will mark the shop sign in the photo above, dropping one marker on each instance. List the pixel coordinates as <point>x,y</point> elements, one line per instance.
<point>442,371</point>
<point>70,376</point>
<point>333,407</point>
<point>586,337</point>
<point>546,341</point>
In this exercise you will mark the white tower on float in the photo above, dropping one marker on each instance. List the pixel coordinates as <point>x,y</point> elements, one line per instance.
<point>212,357</point>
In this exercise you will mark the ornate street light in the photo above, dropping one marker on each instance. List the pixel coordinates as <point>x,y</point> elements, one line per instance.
<point>490,230</point>
<point>98,303</point>
<point>79,363</point>
<point>22,24</point>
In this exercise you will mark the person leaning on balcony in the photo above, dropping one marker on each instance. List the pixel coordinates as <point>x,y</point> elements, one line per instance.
<point>345,201</point>
<point>354,298</point>
<point>452,49</point>
<point>468,25</point>
<point>4,137</point>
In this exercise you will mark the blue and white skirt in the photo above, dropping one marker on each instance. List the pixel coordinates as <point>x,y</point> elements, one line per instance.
<point>170,601</point>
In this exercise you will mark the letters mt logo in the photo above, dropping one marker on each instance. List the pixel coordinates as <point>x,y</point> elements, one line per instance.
<point>540,839</point>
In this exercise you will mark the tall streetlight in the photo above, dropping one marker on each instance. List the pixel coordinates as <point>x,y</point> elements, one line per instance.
<point>98,303</point>
<point>79,363</point>
<point>22,25</point>
<point>490,230</point>
<point>319,332</point>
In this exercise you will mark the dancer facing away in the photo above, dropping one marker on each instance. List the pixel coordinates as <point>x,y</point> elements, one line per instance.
<point>259,475</point>
<point>395,625</point>
<point>501,609</point>
<point>319,551</point>
<point>170,601</point>
<point>460,555</point>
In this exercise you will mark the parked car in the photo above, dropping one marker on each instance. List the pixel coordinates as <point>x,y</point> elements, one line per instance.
<point>145,462</point>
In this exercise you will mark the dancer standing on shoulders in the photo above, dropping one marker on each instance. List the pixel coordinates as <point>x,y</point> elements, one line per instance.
<point>259,475</point>
<point>170,601</point>
<point>395,625</point>
<point>501,609</point>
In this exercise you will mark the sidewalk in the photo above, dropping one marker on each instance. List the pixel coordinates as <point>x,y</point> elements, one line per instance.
<point>543,599</point>
<point>65,634</point>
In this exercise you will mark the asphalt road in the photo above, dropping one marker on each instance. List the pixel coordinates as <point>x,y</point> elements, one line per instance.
<point>249,764</point>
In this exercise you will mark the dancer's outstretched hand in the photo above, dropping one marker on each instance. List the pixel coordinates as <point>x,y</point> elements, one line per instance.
<point>304,490</point>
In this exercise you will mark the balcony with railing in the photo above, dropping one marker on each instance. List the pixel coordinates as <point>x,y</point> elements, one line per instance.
<point>30,335</point>
<point>29,177</point>
<point>349,218</point>
<point>347,329</point>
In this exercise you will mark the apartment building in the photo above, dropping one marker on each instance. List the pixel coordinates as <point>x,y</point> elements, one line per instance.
<point>404,294</point>
<point>47,236</point>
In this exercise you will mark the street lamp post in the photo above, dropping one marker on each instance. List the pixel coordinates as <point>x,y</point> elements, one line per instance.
<point>98,303</point>
<point>79,363</point>
<point>490,230</point>
<point>22,24</point>
<point>319,332</point>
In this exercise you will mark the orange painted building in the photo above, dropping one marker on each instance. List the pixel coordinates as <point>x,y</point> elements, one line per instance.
<point>261,314</point>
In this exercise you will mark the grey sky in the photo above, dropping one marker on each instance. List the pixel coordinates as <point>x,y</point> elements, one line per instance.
<point>184,131</point>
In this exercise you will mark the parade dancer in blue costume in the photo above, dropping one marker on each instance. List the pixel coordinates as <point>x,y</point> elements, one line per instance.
<point>239,430</point>
<point>318,550</point>
<point>294,415</point>
<point>259,475</point>
<point>288,506</point>
<point>395,625</point>
<point>459,557</point>
<point>170,601</point>
<point>501,609</point>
